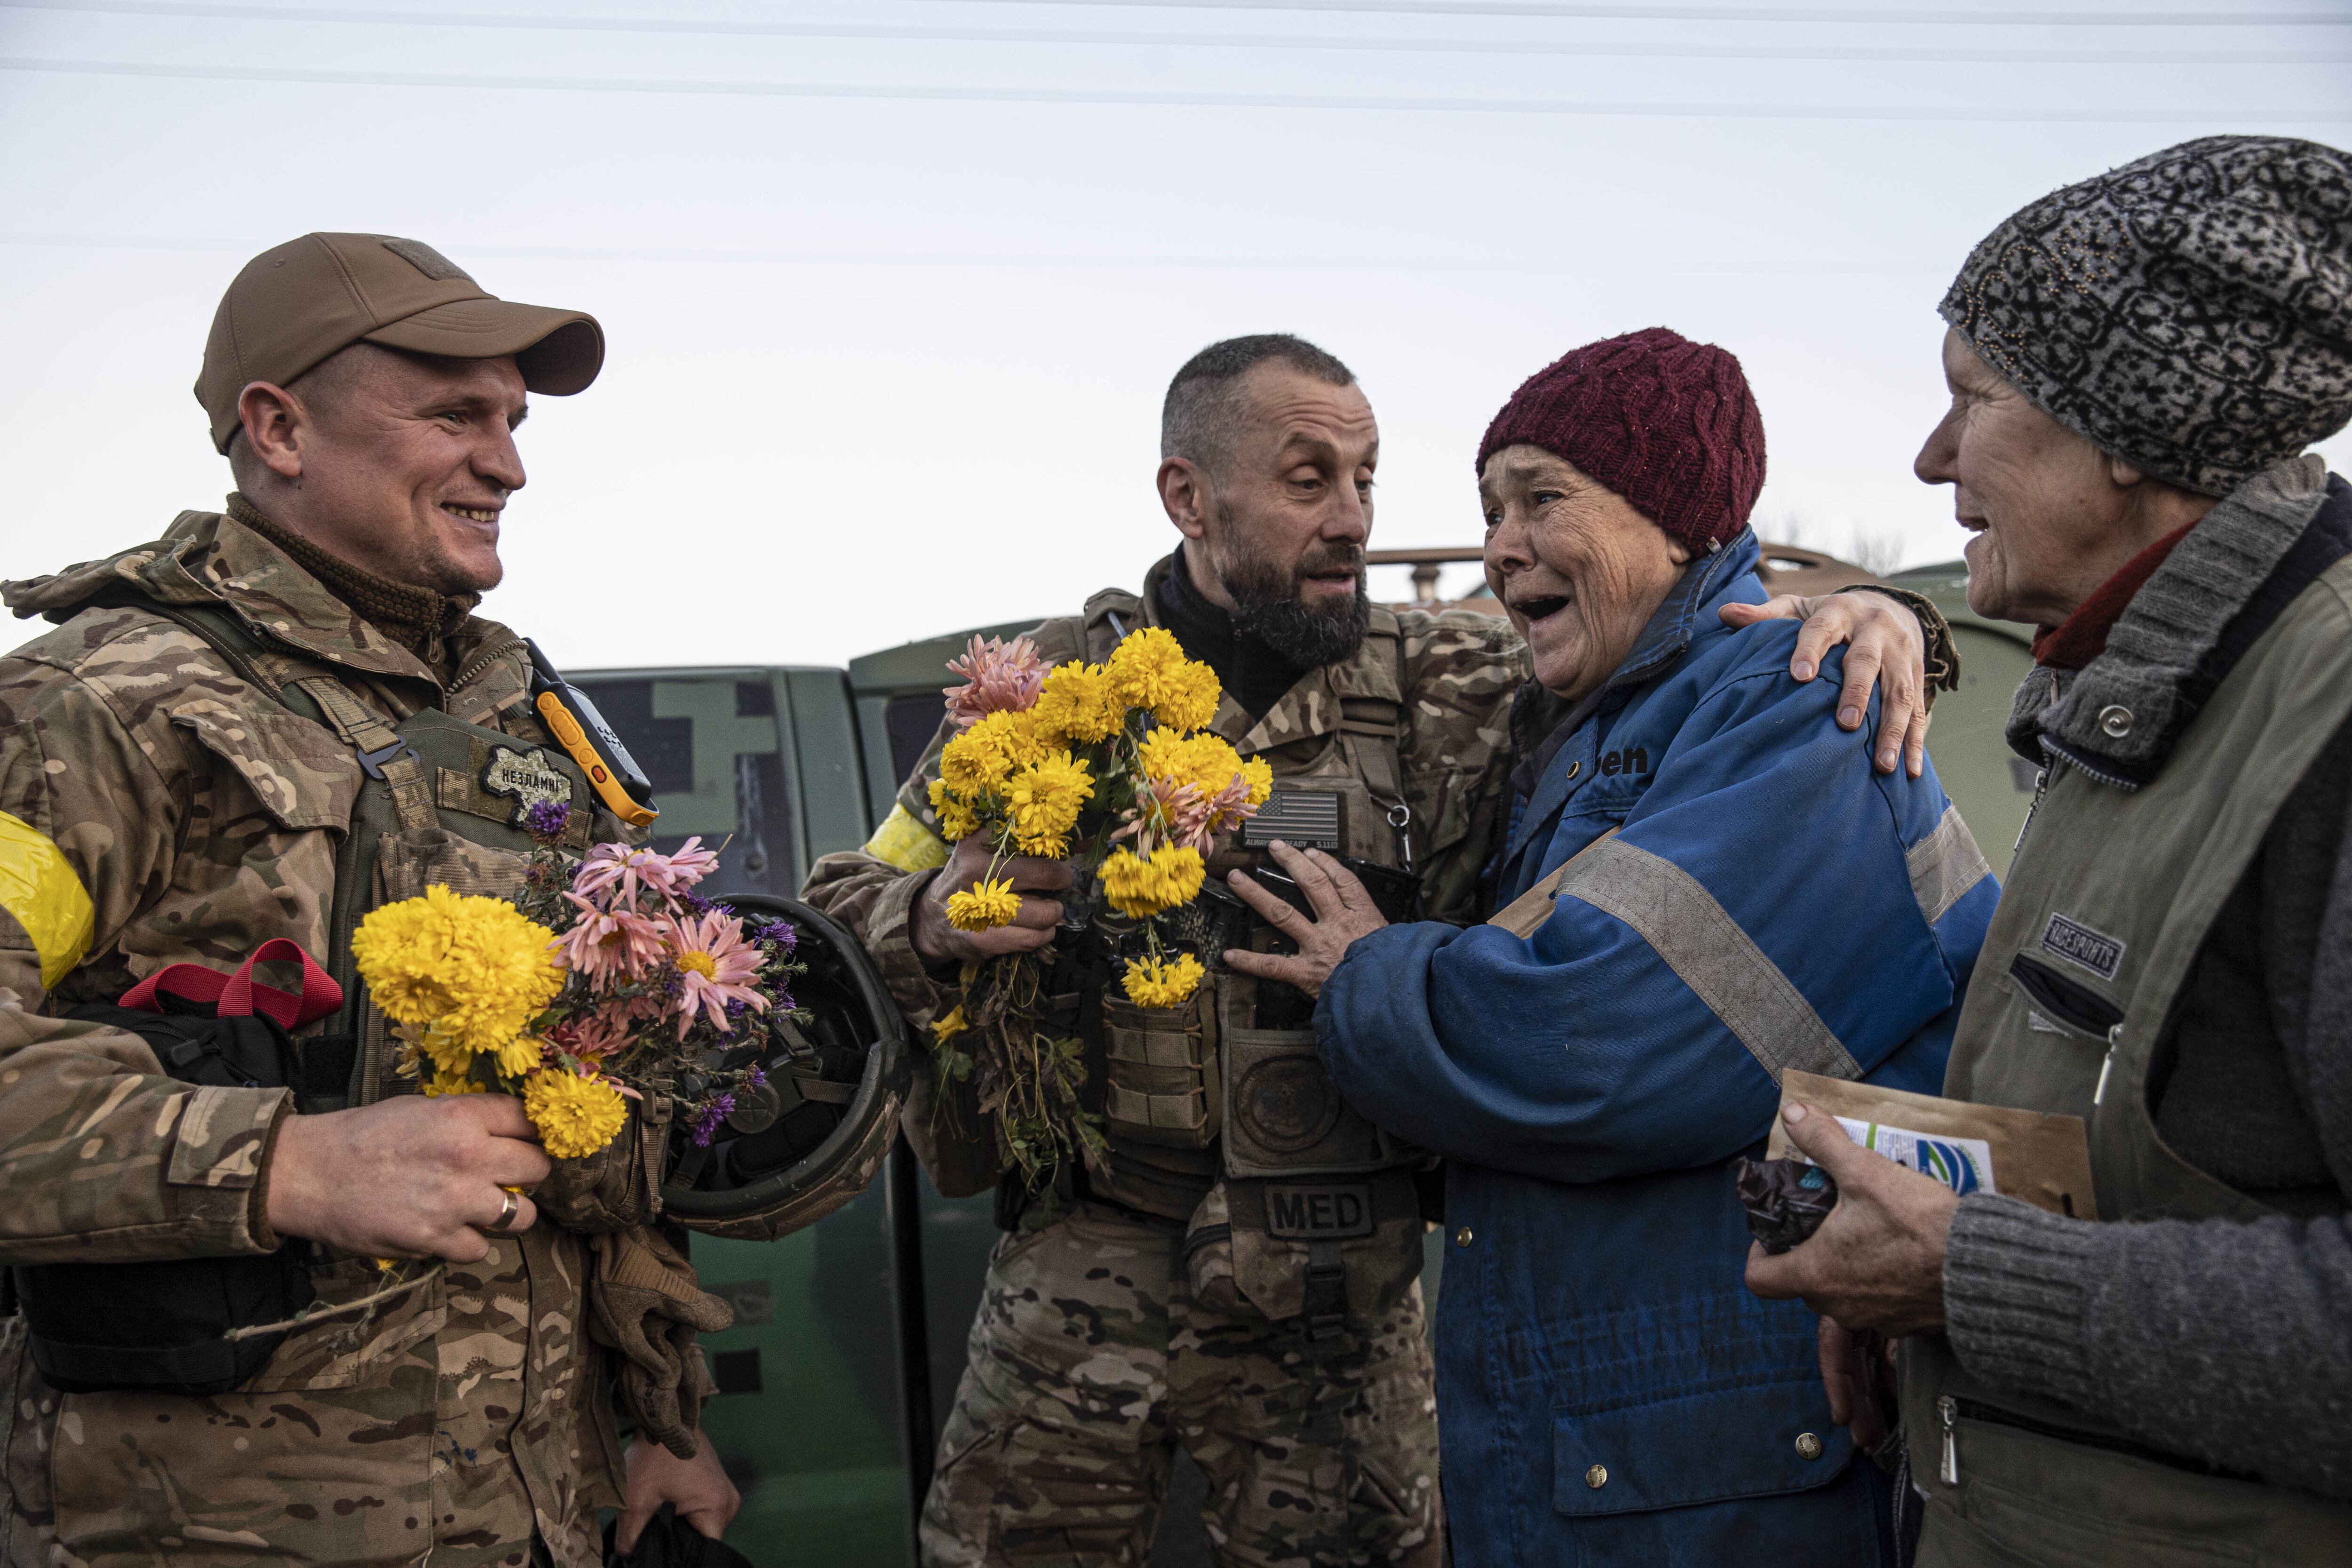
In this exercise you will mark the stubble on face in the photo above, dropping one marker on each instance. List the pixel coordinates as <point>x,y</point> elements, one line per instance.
<point>1291,514</point>
<point>408,466</point>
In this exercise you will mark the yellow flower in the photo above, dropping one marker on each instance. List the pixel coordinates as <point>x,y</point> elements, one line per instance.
<point>956,820</point>
<point>1078,703</point>
<point>575,1115</point>
<point>954,1024</point>
<point>1138,887</point>
<point>475,967</point>
<point>1152,984</point>
<point>1261,780</point>
<point>984,906</point>
<point>1045,797</point>
<point>1206,761</point>
<point>447,1083</point>
<point>450,1055</point>
<point>520,1055</point>
<point>978,762</point>
<point>1149,669</point>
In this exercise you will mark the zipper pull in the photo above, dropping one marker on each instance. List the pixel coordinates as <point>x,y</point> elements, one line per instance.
<point>1951,1473</point>
<point>2106,1065</point>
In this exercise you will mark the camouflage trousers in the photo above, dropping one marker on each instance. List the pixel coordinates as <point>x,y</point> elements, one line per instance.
<point>1090,1363</point>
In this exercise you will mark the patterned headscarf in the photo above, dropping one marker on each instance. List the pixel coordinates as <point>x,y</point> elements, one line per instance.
<point>2190,312</point>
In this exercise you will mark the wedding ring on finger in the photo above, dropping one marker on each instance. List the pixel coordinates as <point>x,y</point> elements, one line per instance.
<point>506,1213</point>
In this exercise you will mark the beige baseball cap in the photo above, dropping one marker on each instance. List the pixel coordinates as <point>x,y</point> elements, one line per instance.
<point>292,306</point>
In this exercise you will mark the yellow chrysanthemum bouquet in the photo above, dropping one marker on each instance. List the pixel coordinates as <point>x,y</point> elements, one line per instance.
<point>1109,766</point>
<point>607,978</point>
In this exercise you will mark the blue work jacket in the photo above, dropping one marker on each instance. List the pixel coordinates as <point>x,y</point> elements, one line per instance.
<point>1609,1391</point>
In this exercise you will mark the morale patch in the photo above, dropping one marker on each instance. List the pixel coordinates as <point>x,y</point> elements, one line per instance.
<point>1322,1211</point>
<point>429,261</point>
<point>527,778</point>
<point>1287,1104</point>
<point>2079,944</point>
<point>1302,818</point>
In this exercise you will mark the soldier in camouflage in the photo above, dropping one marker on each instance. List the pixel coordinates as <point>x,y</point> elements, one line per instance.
<point>159,803</point>
<point>1159,1304</point>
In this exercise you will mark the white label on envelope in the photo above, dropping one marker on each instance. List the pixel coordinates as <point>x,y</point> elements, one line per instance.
<point>1963,1164</point>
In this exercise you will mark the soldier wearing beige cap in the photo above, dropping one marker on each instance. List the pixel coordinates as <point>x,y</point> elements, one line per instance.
<point>261,726</point>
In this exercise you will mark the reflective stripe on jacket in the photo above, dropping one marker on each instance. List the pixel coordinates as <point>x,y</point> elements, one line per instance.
<point>1609,1390</point>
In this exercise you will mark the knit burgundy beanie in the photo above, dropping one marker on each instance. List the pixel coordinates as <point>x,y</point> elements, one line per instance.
<point>1664,422</point>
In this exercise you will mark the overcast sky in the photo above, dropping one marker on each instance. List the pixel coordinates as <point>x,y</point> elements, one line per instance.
<point>892,289</point>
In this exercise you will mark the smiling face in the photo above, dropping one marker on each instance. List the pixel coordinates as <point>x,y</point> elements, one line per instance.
<point>1279,532</point>
<point>2052,517</point>
<point>398,463</point>
<point>1577,569</point>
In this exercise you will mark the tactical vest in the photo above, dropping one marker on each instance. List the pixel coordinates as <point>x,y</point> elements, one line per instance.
<point>1219,1113</point>
<point>439,800</point>
<point>2105,910</point>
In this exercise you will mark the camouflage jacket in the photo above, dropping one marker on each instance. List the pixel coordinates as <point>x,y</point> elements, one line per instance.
<point>199,818</point>
<point>1458,673</point>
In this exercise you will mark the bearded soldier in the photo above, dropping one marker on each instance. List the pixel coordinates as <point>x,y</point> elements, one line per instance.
<point>259,727</point>
<point>1241,1279</point>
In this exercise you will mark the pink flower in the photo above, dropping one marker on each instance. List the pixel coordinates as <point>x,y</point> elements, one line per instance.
<point>588,1037</point>
<point>1170,813</point>
<point>1004,677</point>
<point>716,966</point>
<point>1228,808</point>
<point>609,865</point>
<point>608,944</point>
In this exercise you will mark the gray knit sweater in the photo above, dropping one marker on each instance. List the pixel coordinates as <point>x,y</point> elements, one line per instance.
<point>2226,1341</point>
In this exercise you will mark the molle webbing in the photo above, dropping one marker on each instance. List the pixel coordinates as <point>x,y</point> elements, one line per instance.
<point>381,750</point>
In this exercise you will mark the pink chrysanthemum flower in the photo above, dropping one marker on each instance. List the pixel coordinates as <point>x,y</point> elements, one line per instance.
<point>1004,678</point>
<point>595,1033</point>
<point>610,865</point>
<point>1227,809</point>
<point>716,965</point>
<point>609,944</point>
<point>1168,813</point>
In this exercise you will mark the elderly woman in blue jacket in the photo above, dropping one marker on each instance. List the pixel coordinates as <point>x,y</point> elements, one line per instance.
<point>1704,884</point>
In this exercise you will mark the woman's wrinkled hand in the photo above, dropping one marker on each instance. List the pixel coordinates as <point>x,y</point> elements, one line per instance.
<point>1343,911</point>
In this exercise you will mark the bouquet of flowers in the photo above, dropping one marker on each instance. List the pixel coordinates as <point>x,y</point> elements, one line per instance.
<point>605,979</point>
<point>1106,765</point>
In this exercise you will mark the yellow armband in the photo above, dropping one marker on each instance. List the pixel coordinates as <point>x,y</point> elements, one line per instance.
<point>37,884</point>
<point>905,843</point>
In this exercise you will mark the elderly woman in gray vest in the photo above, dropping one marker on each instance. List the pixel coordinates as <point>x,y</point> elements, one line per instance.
<point>2138,364</point>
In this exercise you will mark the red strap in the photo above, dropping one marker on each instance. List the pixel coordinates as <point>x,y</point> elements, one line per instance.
<point>238,994</point>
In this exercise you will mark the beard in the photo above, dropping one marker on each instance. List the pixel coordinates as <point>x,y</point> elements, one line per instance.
<point>1271,607</point>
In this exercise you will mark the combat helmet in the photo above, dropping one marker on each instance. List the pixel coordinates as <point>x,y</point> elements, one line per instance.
<point>814,1135</point>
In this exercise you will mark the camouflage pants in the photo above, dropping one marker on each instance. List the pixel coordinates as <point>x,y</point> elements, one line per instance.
<point>1090,1363</point>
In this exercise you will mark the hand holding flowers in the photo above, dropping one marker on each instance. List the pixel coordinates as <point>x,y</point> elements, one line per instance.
<point>603,980</point>
<point>1108,764</point>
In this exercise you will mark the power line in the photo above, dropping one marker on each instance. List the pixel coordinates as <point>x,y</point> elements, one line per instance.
<point>1142,99</point>
<point>1058,261</point>
<point>1845,16</point>
<point>862,31</point>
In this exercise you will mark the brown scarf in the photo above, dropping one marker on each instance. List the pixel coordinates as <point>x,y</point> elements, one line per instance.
<point>416,618</point>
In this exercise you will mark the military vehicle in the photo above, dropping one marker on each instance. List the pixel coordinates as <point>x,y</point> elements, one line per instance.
<point>849,1335</point>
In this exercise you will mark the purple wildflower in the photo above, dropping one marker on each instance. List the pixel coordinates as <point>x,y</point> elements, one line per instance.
<point>783,933</point>
<point>694,904</point>
<point>759,1077</point>
<point>546,820</point>
<point>717,1111</point>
